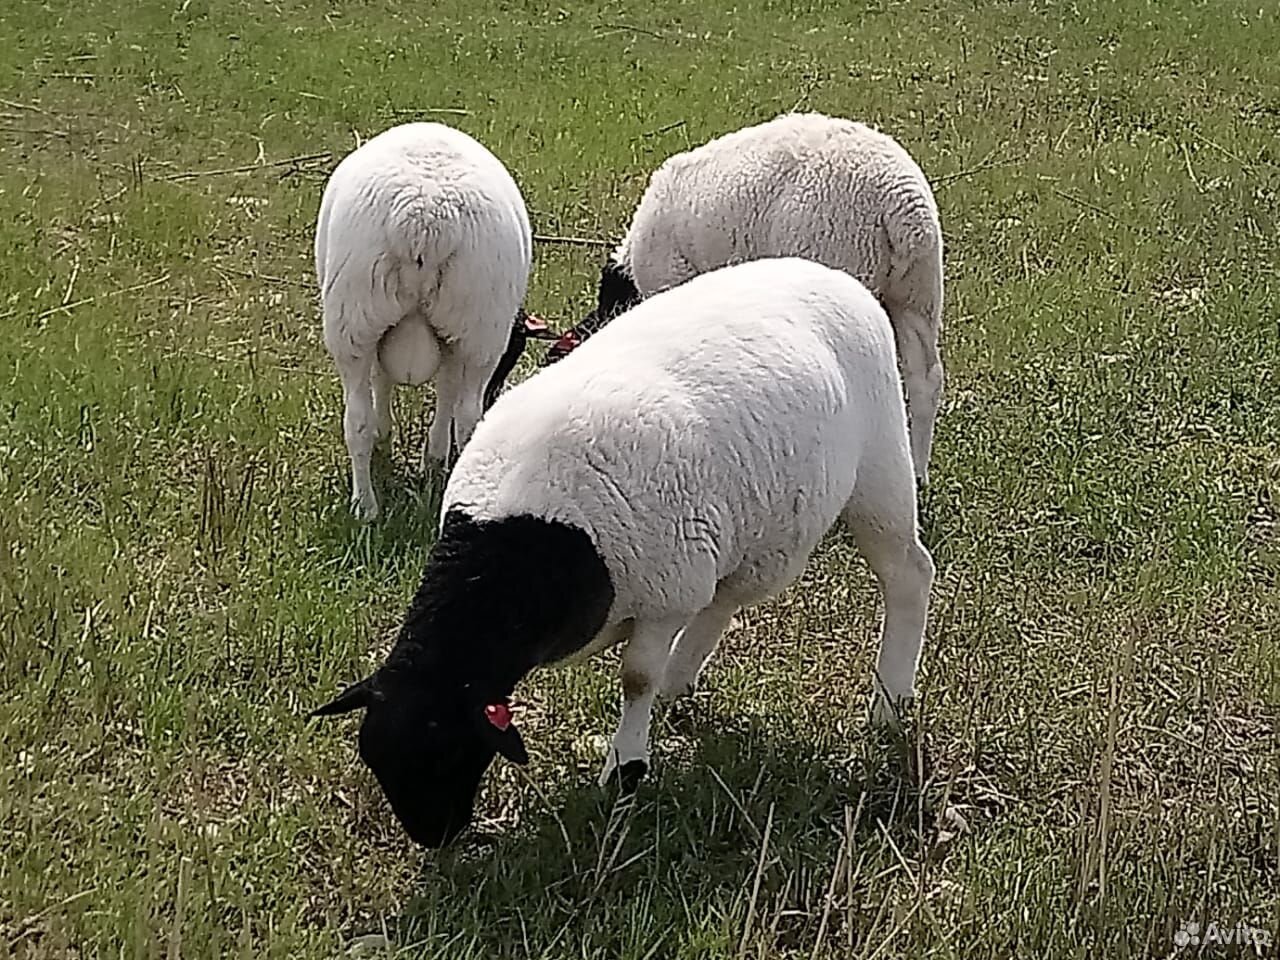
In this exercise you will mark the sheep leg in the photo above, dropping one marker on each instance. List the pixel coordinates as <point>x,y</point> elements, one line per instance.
<point>643,661</point>
<point>905,571</point>
<point>358,428</point>
<point>888,539</point>
<point>468,403</point>
<point>922,376</point>
<point>694,647</point>
<point>440,434</point>
<point>381,401</point>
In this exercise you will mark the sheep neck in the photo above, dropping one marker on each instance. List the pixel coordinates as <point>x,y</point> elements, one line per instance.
<point>499,598</point>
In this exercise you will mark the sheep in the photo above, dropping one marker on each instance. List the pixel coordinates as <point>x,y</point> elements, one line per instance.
<point>422,248</point>
<point>807,185</point>
<point>682,464</point>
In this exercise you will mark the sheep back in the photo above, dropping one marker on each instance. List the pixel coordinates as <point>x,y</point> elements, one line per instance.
<point>808,185</point>
<point>709,436</point>
<point>423,219</point>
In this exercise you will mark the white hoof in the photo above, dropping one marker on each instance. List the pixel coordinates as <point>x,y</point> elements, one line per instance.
<point>364,506</point>
<point>890,711</point>
<point>676,686</point>
<point>627,776</point>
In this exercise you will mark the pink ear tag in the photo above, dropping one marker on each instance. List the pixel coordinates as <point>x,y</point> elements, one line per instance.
<point>499,714</point>
<point>534,324</point>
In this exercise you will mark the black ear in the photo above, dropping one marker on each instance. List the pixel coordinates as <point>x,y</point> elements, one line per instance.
<point>355,697</point>
<point>510,744</point>
<point>504,739</point>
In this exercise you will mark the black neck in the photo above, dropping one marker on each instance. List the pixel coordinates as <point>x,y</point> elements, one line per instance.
<point>617,294</point>
<point>499,598</point>
<point>516,342</point>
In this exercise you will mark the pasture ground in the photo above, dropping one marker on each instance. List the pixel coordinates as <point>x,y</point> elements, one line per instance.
<point>180,580</point>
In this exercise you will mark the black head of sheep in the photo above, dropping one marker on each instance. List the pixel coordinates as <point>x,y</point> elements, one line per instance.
<point>428,748</point>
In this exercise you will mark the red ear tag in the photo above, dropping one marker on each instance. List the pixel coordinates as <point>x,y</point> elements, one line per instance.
<point>499,714</point>
<point>567,342</point>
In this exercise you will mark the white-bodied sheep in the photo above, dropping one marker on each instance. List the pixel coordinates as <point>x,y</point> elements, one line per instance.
<point>804,185</point>
<point>423,248</point>
<point>681,464</point>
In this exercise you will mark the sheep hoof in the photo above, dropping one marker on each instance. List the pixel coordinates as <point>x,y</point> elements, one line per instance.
<point>890,713</point>
<point>436,469</point>
<point>631,774</point>
<point>675,688</point>
<point>435,479</point>
<point>922,492</point>
<point>364,507</point>
<point>627,776</point>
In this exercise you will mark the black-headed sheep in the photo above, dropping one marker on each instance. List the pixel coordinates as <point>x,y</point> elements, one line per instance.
<point>682,464</point>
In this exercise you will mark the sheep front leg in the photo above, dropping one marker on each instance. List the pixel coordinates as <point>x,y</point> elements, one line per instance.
<point>694,646</point>
<point>358,429</point>
<point>643,663</point>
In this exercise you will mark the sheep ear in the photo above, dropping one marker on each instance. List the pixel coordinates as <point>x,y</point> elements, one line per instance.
<point>510,744</point>
<point>536,328</point>
<point>500,733</point>
<point>355,697</point>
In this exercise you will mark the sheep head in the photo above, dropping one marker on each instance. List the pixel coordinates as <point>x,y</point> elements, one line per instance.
<point>428,748</point>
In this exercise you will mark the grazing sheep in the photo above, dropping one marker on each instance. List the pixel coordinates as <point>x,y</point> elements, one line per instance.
<point>682,464</point>
<point>422,252</point>
<point>803,185</point>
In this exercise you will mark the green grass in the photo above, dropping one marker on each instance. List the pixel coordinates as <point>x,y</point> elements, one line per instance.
<point>180,580</point>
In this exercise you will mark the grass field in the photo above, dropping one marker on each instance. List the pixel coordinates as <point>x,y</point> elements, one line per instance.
<point>180,579</point>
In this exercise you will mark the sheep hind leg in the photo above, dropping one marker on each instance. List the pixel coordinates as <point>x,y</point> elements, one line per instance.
<point>694,647</point>
<point>468,404</point>
<point>923,378</point>
<point>382,387</point>
<point>435,455</point>
<point>643,661</point>
<point>886,533</point>
<point>358,428</point>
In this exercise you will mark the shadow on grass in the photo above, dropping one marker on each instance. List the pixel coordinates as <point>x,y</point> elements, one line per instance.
<point>675,867</point>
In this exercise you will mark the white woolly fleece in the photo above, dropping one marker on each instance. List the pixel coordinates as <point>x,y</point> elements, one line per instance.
<point>420,228</point>
<point>806,185</point>
<point>800,185</point>
<point>423,221</point>
<point>707,438</point>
